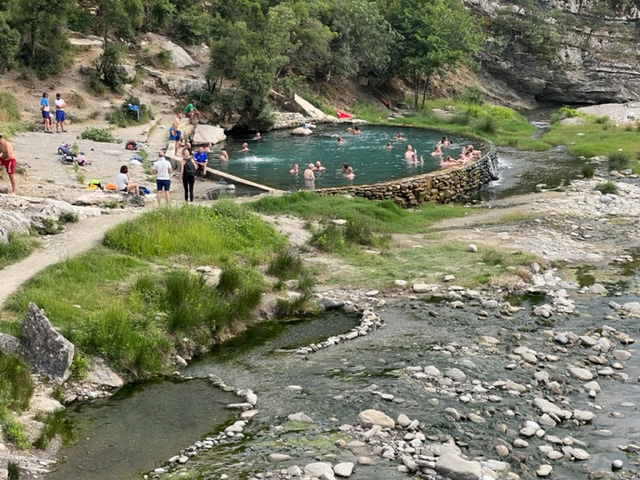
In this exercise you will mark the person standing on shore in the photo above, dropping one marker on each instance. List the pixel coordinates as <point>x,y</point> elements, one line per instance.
<point>188,173</point>
<point>60,105</point>
<point>46,112</point>
<point>162,169</point>
<point>175,132</point>
<point>8,161</point>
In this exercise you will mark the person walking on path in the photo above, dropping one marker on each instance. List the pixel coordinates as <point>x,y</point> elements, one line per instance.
<point>60,105</point>
<point>162,170</point>
<point>188,173</point>
<point>8,161</point>
<point>46,112</point>
<point>175,133</point>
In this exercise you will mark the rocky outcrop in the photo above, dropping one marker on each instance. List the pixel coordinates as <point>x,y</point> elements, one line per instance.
<point>301,131</point>
<point>20,214</point>
<point>441,186</point>
<point>46,350</point>
<point>205,134</point>
<point>288,120</point>
<point>176,85</point>
<point>100,374</point>
<point>300,105</point>
<point>595,62</point>
<point>179,56</point>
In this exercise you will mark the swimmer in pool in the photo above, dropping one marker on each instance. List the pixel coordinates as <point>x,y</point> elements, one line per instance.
<point>318,167</point>
<point>294,170</point>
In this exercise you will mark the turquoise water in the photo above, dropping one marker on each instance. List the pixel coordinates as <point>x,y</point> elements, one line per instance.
<point>269,160</point>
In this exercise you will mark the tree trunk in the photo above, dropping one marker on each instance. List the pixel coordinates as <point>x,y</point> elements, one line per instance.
<point>416,88</point>
<point>424,90</point>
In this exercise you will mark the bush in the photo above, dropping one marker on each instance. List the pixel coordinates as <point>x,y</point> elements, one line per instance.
<point>16,386</point>
<point>618,161</point>
<point>124,116</point>
<point>98,135</point>
<point>588,171</point>
<point>471,95</point>
<point>565,112</point>
<point>285,265</point>
<point>109,68</point>
<point>329,239</point>
<point>603,119</point>
<point>486,124</point>
<point>17,248</point>
<point>607,187</point>
<point>491,256</point>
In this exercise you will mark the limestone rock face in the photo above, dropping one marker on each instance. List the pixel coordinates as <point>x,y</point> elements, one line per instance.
<point>48,352</point>
<point>456,468</point>
<point>205,134</point>
<point>311,112</point>
<point>301,131</point>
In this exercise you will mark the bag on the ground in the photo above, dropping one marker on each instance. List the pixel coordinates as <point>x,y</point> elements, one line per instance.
<point>67,158</point>
<point>144,190</point>
<point>131,145</point>
<point>64,149</point>
<point>81,161</point>
<point>111,187</point>
<point>95,184</point>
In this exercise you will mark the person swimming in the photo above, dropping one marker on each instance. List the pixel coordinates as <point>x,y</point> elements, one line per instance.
<point>437,152</point>
<point>257,136</point>
<point>245,147</point>
<point>345,167</point>
<point>399,136</point>
<point>349,173</point>
<point>388,146</point>
<point>445,142</point>
<point>318,167</point>
<point>408,153</point>
<point>294,170</point>
<point>448,163</point>
<point>356,130</point>
<point>340,140</point>
<point>224,156</point>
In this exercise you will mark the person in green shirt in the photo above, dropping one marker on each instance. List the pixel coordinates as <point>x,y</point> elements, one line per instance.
<point>192,112</point>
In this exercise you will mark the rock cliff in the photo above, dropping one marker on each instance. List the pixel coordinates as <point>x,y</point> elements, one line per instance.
<point>594,59</point>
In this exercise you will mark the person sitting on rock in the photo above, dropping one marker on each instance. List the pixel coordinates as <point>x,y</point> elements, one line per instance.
<point>192,112</point>
<point>124,183</point>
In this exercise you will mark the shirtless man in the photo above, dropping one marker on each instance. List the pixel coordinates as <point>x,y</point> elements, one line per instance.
<point>175,126</point>
<point>308,173</point>
<point>8,161</point>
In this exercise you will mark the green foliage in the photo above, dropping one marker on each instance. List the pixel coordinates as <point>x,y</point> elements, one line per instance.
<point>13,470</point>
<point>157,14</point>
<point>49,227</point>
<point>14,431</point>
<point>618,161</point>
<point>491,256</point>
<point>98,135</point>
<point>192,25</point>
<point>16,386</point>
<point>588,171</point>
<point>17,248</point>
<point>607,187</point>
<point>486,124</point>
<point>9,110</point>
<point>329,239</point>
<point>79,366</point>
<point>285,265</point>
<point>603,119</point>
<point>471,95</point>
<point>109,69</point>
<point>124,117</point>
<point>124,17</point>
<point>565,112</point>
<point>57,423</point>
<point>9,42</point>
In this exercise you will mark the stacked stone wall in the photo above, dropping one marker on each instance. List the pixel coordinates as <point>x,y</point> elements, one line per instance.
<point>442,186</point>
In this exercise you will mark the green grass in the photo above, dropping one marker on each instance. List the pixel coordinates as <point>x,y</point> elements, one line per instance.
<point>17,248</point>
<point>381,217</point>
<point>10,120</point>
<point>130,300</point>
<point>595,141</point>
<point>429,264</point>
<point>16,389</point>
<point>98,135</point>
<point>607,187</point>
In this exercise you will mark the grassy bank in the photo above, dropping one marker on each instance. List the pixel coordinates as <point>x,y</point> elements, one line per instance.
<point>17,248</point>
<point>133,300</point>
<point>380,242</point>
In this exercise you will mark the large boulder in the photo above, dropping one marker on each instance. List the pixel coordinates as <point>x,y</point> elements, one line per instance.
<point>456,468</point>
<point>100,374</point>
<point>301,131</point>
<point>179,56</point>
<point>205,134</point>
<point>311,112</point>
<point>288,120</point>
<point>9,345</point>
<point>48,352</point>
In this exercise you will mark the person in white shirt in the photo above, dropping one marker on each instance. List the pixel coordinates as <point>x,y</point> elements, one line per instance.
<point>124,183</point>
<point>59,103</point>
<point>162,170</point>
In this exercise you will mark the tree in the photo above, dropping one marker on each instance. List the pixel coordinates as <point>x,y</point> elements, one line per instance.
<point>437,37</point>
<point>123,17</point>
<point>41,47</point>
<point>9,42</point>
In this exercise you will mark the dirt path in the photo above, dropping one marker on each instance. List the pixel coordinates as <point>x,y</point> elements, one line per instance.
<point>75,240</point>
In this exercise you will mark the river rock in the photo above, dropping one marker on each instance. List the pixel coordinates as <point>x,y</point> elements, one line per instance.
<point>301,131</point>
<point>580,454</point>
<point>9,345</point>
<point>621,355</point>
<point>544,470</point>
<point>47,351</point>
<point>300,417</point>
<point>472,248</point>
<point>456,375</point>
<point>371,417</point>
<point>592,386</point>
<point>294,471</point>
<point>583,415</point>
<point>45,405</point>
<point>617,464</point>
<point>100,374</point>
<point>316,469</point>
<point>403,420</point>
<point>278,457</point>
<point>456,468</point>
<point>551,409</point>
<point>344,469</point>
<point>581,374</point>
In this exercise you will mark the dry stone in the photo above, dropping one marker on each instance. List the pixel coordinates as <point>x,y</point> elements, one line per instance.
<point>48,352</point>
<point>9,345</point>
<point>456,468</point>
<point>205,134</point>
<point>371,417</point>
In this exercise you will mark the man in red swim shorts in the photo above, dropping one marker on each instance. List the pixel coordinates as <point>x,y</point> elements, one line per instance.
<point>8,161</point>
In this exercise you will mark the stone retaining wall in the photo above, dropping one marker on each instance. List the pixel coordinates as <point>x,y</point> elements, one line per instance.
<point>442,186</point>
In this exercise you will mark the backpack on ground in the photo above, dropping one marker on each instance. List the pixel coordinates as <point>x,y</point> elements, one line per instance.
<point>131,145</point>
